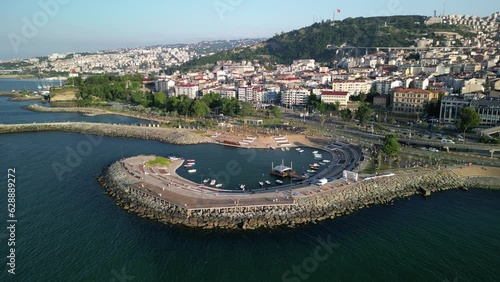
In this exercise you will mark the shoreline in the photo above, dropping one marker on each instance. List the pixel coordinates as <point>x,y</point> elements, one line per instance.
<point>166,135</point>
<point>255,213</point>
<point>86,110</point>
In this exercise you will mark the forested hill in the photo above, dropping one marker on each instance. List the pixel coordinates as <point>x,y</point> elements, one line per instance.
<point>312,41</point>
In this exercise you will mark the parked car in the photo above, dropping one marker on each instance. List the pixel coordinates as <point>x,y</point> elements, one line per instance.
<point>447,141</point>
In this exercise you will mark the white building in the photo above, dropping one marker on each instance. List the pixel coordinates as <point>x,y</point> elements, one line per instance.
<point>190,90</point>
<point>331,97</point>
<point>354,87</point>
<point>295,97</point>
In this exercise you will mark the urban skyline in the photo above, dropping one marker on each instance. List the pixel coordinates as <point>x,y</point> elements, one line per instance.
<point>38,28</point>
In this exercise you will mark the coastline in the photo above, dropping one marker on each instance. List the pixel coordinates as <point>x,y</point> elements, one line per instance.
<point>311,208</point>
<point>308,204</point>
<point>166,135</point>
<point>85,110</point>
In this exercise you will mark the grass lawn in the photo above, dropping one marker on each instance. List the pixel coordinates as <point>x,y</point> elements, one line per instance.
<point>159,161</point>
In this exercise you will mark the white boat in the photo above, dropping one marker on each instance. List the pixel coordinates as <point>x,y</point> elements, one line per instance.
<point>301,151</point>
<point>261,183</point>
<point>298,149</point>
<point>213,182</point>
<point>218,185</point>
<point>315,152</point>
<point>283,149</point>
<point>242,187</point>
<point>279,181</point>
<point>206,180</point>
<point>192,170</point>
<point>268,182</point>
<point>288,149</point>
<point>327,161</point>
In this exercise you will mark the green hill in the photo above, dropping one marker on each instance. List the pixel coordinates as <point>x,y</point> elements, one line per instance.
<point>312,41</point>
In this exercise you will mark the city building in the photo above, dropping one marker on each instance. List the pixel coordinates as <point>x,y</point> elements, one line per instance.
<point>295,97</point>
<point>331,97</point>
<point>190,90</point>
<point>412,101</point>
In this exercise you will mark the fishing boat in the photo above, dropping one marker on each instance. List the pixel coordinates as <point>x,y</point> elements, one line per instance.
<point>314,166</point>
<point>279,181</point>
<point>206,180</point>
<point>242,187</point>
<point>192,170</point>
<point>288,149</point>
<point>188,165</point>
<point>297,149</point>
<point>191,164</point>
<point>261,183</point>
<point>322,163</point>
<point>190,161</point>
<point>301,151</point>
<point>283,149</point>
<point>213,182</point>
<point>315,152</point>
<point>311,171</point>
<point>327,161</point>
<point>218,185</point>
<point>268,182</point>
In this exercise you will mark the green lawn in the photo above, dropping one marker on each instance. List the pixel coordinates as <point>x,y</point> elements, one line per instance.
<point>159,161</point>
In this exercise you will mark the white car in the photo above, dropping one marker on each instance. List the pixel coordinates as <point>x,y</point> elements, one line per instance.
<point>433,150</point>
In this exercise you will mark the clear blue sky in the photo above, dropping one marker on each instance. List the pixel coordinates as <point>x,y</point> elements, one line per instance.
<point>88,25</point>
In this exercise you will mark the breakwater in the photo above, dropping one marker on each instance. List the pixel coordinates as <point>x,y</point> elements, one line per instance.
<point>166,135</point>
<point>310,208</point>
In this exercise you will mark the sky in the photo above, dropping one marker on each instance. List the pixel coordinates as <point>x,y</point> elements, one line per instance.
<point>40,27</point>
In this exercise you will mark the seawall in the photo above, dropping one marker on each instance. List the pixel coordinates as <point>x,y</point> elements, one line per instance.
<point>305,209</point>
<point>166,135</point>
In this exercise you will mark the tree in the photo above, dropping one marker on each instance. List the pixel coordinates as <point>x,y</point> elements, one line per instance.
<point>199,109</point>
<point>160,99</point>
<point>247,109</point>
<point>391,146</point>
<point>363,113</point>
<point>346,114</point>
<point>276,112</point>
<point>468,118</point>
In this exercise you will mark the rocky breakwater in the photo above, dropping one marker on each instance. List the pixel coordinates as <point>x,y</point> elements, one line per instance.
<point>306,209</point>
<point>167,135</point>
<point>115,182</point>
<point>38,108</point>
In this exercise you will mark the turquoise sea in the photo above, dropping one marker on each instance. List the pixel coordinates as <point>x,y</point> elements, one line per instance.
<point>67,229</point>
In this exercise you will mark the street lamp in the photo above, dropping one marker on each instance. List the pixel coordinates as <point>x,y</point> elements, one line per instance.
<point>411,124</point>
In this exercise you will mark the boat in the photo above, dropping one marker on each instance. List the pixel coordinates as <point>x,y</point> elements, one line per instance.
<point>288,149</point>
<point>272,148</point>
<point>279,181</point>
<point>297,149</point>
<point>218,185</point>
<point>242,187</point>
<point>322,163</point>
<point>191,164</point>
<point>213,182</point>
<point>206,180</point>
<point>315,152</point>
<point>188,166</point>
<point>301,151</point>
<point>327,161</point>
<point>261,183</point>
<point>314,165</point>
<point>311,171</point>
<point>190,161</point>
<point>192,170</point>
<point>283,149</point>
<point>268,182</point>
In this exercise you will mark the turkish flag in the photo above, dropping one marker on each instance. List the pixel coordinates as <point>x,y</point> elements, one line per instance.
<point>338,10</point>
